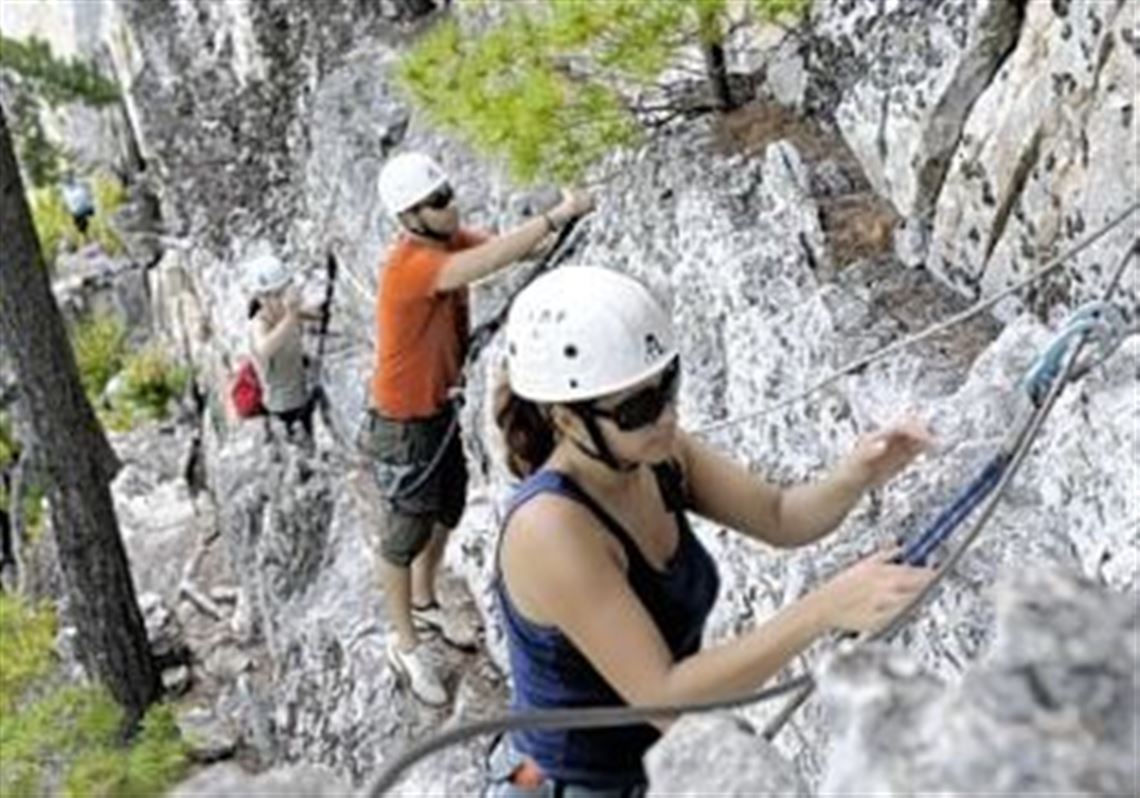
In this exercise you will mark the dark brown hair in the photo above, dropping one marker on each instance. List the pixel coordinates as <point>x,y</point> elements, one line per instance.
<point>527,433</point>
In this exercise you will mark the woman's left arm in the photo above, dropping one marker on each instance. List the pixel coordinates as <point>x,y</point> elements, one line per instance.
<point>730,494</point>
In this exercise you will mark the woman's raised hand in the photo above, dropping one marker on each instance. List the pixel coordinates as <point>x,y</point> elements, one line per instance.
<point>880,455</point>
<point>867,595</point>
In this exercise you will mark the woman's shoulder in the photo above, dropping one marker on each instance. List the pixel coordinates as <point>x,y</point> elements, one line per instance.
<point>550,517</point>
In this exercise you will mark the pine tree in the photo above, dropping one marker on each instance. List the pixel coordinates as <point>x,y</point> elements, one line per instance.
<point>77,459</point>
<point>547,86</point>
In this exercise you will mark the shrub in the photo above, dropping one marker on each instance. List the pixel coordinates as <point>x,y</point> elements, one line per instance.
<point>72,733</point>
<point>55,79</point>
<point>27,640</point>
<point>54,226</point>
<point>8,446</point>
<point>152,380</point>
<point>100,344</point>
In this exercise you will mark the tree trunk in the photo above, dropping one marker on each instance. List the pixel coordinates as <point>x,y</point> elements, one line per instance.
<point>716,69</point>
<point>76,459</point>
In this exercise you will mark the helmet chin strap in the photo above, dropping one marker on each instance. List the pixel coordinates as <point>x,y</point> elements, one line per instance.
<point>601,451</point>
<point>422,229</point>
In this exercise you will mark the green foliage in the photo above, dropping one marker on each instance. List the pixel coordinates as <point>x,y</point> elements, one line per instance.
<point>27,643</point>
<point>55,79</point>
<point>152,380</point>
<point>100,345</point>
<point>109,195</point>
<point>40,157</point>
<point>542,88</point>
<point>156,760</point>
<point>9,448</point>
<point>72,730</point>
<point>150,377</point>
<point>53,223</point>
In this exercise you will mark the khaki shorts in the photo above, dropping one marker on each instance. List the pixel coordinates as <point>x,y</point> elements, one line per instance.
<point>415,505</point>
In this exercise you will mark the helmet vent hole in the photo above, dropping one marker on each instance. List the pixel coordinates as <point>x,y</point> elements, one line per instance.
<point>514,350</point>
<point>570,351</point>
<point>573,383</point>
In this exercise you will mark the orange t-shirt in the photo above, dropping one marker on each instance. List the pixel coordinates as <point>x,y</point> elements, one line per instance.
<point>421,335</point>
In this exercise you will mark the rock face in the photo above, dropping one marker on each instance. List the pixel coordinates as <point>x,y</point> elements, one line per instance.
<point>323,691</point>
<point>92,283</point>
<point>1051,709</point>
<point>1001,130</point>
<point>718,755</point>
<point>231,781</point>
<point>905,77</point>
<point>1048,154</point>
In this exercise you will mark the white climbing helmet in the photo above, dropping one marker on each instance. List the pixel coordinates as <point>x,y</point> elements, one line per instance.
<point>407,179</point>
<point>267,274</point>
<point>583,332</point>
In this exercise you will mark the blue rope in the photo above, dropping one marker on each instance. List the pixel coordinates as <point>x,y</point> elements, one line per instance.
<point>920,547</point>
<point>1097,320</point>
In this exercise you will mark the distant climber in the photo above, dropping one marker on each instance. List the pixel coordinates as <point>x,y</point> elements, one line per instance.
<point>79,202</point>
<point>276,314</point>
<point>422,336</point>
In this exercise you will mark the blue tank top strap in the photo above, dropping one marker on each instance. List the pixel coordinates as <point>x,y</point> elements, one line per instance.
<point>669,482</point>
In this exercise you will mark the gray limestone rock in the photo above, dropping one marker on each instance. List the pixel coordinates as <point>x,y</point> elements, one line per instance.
<point>230,781</point>
<point>903,76</point>
<point>1048,155</point>
<point>719,755</point>
<point>1050,709</point>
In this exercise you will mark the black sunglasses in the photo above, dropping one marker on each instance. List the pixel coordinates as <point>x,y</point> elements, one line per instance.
<point>647,405</point>
<point>439,199</point>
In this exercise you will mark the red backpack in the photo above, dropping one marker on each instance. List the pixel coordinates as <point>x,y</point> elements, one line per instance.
<point>245,391</point>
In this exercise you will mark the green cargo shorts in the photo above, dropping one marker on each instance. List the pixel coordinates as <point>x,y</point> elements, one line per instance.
<point>416,502</point>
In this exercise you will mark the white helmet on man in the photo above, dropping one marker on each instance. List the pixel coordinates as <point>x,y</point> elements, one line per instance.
<point>266,274</point>
<point>408,179</point>
<point>583,332</point>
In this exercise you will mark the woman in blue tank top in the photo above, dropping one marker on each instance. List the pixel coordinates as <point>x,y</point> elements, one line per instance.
<point>603,587</point>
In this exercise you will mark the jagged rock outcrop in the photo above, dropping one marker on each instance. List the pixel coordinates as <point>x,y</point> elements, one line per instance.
<point>903,77</point>
<point>91,283</point>
<point>1048,154</point>
<point>1002,130</point>
<point>719,755</point>
<point>1049,708</point>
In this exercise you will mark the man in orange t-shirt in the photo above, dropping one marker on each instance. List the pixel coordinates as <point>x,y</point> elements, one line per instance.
<point>422,339</point>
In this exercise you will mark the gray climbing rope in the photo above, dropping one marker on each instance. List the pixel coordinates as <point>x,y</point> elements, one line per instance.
<point>586,718</point>
<point>929,332</point>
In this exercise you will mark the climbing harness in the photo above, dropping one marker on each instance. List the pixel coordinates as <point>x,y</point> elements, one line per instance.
<point>1098,323</point>
<point>569,239</point>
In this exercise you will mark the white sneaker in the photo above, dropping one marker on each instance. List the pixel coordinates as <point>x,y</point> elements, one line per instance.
<point>453,630</point>
<point>416,673</point>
